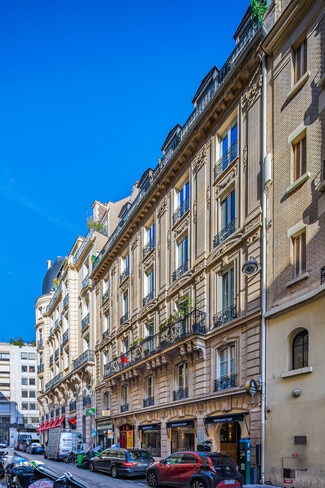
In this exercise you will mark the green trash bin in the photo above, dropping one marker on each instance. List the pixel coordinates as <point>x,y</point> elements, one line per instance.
<point>80,459</point>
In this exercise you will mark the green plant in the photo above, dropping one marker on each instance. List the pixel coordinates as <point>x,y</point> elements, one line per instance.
<point>96,225</point>
<point>259,7</point>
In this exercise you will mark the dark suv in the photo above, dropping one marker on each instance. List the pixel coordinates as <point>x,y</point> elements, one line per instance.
<point>122,462</point>
<point>192,469</point>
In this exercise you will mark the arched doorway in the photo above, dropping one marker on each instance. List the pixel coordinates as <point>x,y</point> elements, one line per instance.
<point>230,433</point>
<point>126,436</point>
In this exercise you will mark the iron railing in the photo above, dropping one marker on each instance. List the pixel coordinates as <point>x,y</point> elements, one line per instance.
<point>225,382</point>
<point>173,331</point>
<point>66,301</point>
<point>124,407</point>
<point>106,295</point>
<point>65,336</point>
<point>124,318</point>
<point>181,210</point>
<point>86,357</point>
<point>53,382</point>
<point>180,394</point>
<point>125,274</point>
<point>224,233</point>
<point>148,402</point>
<point>148,247</point>
<point>226,159</point>
<point>225,316</point>
<point>85,321</point>
<point>181,270</point>
<point>148,298</point>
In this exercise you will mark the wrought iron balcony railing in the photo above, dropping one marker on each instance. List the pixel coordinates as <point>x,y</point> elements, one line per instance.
<point>148,298</point>
<point>125,407</point>
<point>180,394</point>
<point>225,316</point>
<point>40,368</point>
<point>148,402</point>
<point>56,353</point>
<point>125,274</point>
<point>148,248</point>
<point>65,336</point>
<point>226,159</point>
<point>85,321</point>
<point>85,282</point>
<point>224,233</point>
<point>181,210</point>
<point>180,270</point>
<point>105,296</point>
<point>173,331</point>
<point>86,357</point>
<point>124,318</point>
<point>40,343</point>
<point>53,382</point>
<point>66,301</point>
<point>225,382</point>
<point>105,334</point>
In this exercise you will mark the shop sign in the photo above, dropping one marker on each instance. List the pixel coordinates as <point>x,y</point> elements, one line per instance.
<point>288,481</point>
<point>220,419</point>
<point>106,413</point>
<point>251,387</point>
<point>149,427</point>
<point>184,423</point>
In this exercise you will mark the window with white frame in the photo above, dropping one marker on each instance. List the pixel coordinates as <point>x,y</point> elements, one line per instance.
<point>299,156</point>
<point>300,60</point>
<point>124,395</point>
<point>149,332</point>
<point>149,387</point>
<point>125,306</point>
<point>226,368</point>
<point>182,201</point>
<point>298,242</point>
<point>228,145</point>
<point>106,289</point>
<point>125,267</point>
<point>182,257</point>
<point>149,285</point>
<point>227,218</point>
<point>181,390</point>
<point>225,297</point>
<point>106,400</point>
<point>149,238</point>
<point>106,325</point>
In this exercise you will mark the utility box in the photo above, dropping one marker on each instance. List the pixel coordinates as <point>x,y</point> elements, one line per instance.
<point>245,459</point>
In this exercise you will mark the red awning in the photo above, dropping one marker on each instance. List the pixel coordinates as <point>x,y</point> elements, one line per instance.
<point>59,421</point>
<point>52,424</point>
<point>46,425</point>
<point>40,428</point>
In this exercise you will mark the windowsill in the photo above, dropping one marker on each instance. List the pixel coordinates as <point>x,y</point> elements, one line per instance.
<point>296,372</point>
<point>300,83</point>
<point>296,184</point>
<point>301,277</point>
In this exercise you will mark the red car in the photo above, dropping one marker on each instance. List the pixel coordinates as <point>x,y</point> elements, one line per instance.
<point>190,469</point>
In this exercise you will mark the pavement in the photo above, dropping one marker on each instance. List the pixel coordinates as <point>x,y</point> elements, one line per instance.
<point>259,486</point>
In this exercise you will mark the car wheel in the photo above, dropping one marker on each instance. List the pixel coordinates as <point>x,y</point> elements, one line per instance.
<point>91,467</point>
<point>114,471</point>
<point>198,483</point>
<point>152,479</point>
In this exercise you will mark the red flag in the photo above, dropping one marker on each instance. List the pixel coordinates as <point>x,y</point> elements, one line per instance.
<point>124,359</point>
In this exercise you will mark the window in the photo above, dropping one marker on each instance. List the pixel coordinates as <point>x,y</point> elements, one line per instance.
<point>182,201</point>
<point>181,257</point>
<point>24,406</point>
<point>299,157</point>
<point>228,146</point>
<point>24,394</point>
<point>106,325</point>
<point>225,298</point>
<point>300,350</point>
<point>32,394</point>
<point>23,355</point>
<point>149,286</point>
<point>31,369</point>
<point>32,381</point>
<point>228,289</point>
<point>227,218</point>
<point>149,332</point>
<point>24,381</point>
<point>150,388</point>
<point>181,382</point>
<point>226,368</point>
<point>125,306</point>
<point>24,369</point>
<point>124,398</point>
<point>125,267</point>
<point>32,406</point>
<point>31,356</point>
<point>299,254</point>
<point>149,239</point>
<point>300,60</point>
<point>106,401</point>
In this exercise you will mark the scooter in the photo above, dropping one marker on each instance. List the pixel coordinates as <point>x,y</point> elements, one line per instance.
<point>90,453</point>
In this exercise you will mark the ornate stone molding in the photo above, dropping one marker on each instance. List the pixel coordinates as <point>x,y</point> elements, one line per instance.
<point>253,92</point>
<point>226,181</point>
<point>162,208</point>
<point>181,228</point>
<point>199,160</point>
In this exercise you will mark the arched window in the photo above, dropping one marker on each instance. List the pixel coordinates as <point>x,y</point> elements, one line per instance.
<point>300,350</point>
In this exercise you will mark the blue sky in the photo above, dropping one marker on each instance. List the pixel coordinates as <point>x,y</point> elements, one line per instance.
<point>89,90</point>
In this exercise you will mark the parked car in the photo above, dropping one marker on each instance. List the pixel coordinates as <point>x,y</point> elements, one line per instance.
<point>122,462</point>
<point>192,469</point>
<point>35,448</point>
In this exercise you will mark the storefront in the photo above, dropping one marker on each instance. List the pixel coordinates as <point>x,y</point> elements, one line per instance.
<point>182,435</point>
<point>150,438</point>
<point>226,430</point>
<point>105,434</point>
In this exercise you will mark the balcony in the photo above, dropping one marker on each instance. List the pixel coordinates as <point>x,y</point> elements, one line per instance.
<point>124,407</point>
<point>322,275</point>
<point>148,402</point>
<point>180,394</point>
<point>105,334</point>
<point>148,248</point>
<point>85,322</point>
<point>124,318</point>
<point>224,233</point>
<point>56,353</point>
<point>51,359</point>
<point>40,368</point>
<point>181,270</point>
<point>226,159</point>
<point>86,357</point>
<point>173,331</point>
<point>53,382</point>
<point>124,275</point>
<point>225,316</point>
<point>66,301</point>
<point>181,210</point>
<point>105,296</point>
<point>85,282</point>
<point>148,298</point>
<point>225,382</point>
<point>56,324</point>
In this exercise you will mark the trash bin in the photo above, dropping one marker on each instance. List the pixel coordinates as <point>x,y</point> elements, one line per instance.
<point>79,460</point>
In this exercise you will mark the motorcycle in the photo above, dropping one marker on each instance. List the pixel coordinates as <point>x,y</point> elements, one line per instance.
<point>90,453</point>
<point>33,474</point>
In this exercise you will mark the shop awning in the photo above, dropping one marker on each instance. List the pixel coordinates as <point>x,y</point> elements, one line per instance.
<point>46,425</point>
<point>180,423</point>
<point>40,428</point>
<point>149,427</point>
<point>220,419</point>
<point>52,424</point>
<point>59,421</point>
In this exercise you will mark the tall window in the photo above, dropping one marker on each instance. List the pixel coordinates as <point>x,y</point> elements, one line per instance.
<point>228,289</point>
<point>125,267</point>
<point>226,367</point>
<point>106,325</point>
<point>125,306</point>
<point>181,257</point>
<point>149,387</point>
<point>228,210</point>
<point>182,201</point>
<point>300,60</point>
<point>225,298</point>
<point>300,350</point>
<point>149,286</point>
<point>149,239</point>
<point>149,332</point>
<point>299,157</point>
<point>228,145</point>
<point>124,394</point>
<point>299,254</point>
<point>181,382</point>
<point>106,401</point>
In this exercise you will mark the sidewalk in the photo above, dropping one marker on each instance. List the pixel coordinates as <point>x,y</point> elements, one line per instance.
<point>259,486</point>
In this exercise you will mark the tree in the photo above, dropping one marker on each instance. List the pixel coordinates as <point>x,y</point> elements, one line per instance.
<point>17,341</point>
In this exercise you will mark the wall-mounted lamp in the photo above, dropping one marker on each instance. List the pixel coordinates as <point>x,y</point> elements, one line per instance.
<point>250,267</point>
<point>296,392</point>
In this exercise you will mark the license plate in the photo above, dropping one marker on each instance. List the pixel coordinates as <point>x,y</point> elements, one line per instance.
<point>229,482</point>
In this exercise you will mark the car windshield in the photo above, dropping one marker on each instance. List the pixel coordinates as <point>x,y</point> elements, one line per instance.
<point>140,455</point>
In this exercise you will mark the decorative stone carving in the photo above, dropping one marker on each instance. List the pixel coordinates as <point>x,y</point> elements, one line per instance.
<point>182,228</point>
<point>253,92</point>
<point>226,181</point>
<point>199,160</point>
<point>162,208</point>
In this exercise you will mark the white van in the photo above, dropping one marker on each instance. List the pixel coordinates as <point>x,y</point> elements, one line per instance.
<point>61,442</point>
